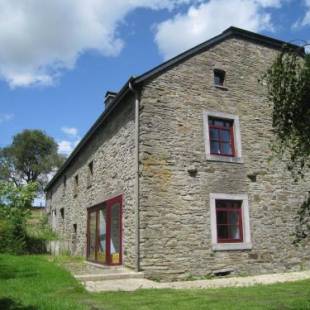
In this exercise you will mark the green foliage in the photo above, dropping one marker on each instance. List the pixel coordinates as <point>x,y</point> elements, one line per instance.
<point>37,235</point>
<point>288,88</point>
<point>15,203</point>
<point>30,157</point>
<point>288,84</point>
<point>303,221</point>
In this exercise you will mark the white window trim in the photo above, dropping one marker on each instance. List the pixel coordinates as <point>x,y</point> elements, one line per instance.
<point>237,137</point>
<point>246,244</point>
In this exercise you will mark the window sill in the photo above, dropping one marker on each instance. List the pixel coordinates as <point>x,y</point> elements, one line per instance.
<point>220,87</point>
<point>231,246</point>
<point>226,159</point>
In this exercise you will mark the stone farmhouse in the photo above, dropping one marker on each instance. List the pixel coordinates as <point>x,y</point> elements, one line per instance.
<point>176,177</point>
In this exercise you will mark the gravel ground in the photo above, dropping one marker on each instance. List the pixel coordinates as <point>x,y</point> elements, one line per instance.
<point>134,284</point>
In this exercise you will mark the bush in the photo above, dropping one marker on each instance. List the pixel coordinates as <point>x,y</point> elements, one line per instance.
<point>15,203</point>
<point>38,235</point>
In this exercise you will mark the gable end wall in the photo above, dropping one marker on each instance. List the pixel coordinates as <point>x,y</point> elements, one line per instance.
<point>175,229</point>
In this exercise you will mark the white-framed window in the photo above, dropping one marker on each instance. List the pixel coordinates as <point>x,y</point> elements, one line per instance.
<point>222,137</point>
<point>230,222</point>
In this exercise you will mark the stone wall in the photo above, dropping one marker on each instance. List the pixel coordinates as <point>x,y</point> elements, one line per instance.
<point>175,233</point>
<point>112,151</point>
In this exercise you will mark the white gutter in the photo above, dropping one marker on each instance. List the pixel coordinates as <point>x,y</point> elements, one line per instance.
<point>136,188</point>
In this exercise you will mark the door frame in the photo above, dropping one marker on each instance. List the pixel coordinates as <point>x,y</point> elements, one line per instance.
<point>96,208</point>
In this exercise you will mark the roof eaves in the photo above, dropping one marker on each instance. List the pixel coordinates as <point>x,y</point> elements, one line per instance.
<point>260,38</point>
<point>120,95</point>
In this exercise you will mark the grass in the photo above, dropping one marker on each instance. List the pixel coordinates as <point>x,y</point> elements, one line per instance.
<point>39,282</point>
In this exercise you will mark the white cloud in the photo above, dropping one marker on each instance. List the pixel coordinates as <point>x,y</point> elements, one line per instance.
<point>70,131</point>
<point>66,147</point>
<point>6,117</point>
<point>304,21</point>
<point>208,19</point>
<point>40,39</point>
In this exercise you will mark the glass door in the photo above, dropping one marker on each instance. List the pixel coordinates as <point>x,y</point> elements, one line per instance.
<point>114,231</point>
<point>92,226</point>
<point>104,236</point>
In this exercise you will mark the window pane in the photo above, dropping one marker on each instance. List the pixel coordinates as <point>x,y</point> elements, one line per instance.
<point>233,232</point>
<point>228,220</point>
<point>233,217</point>
<point>227,124</point>
<point>92,235</point>
<point>215,147</point>
<point>236,204</point>
<point>101,256</point>
<point>115,233</point>
<point>219,122</point>
<point>221,217</point>
<point>225,135</point>
<point>214,134</point>
<point>222,203</point>
<point>222,232</point>
<point>226,148</point>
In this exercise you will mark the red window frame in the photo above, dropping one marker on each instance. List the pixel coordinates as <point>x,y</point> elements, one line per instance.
<point>229,208</point>
<point>108,204</point>
<point>220,141</point>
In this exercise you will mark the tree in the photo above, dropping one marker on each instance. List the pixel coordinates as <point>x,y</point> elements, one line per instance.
<point>30,158</point>
<point>288,88</point>
<point>15,204</point>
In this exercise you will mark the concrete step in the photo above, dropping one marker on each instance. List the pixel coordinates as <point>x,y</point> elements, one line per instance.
<point>110,275</point>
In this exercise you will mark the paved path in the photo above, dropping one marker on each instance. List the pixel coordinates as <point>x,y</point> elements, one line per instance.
<point>134,284</point>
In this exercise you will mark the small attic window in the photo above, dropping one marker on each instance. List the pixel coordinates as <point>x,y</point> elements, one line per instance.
<point>65,182</point>
<point>219,77</point>
<point>91,168</point>
<point>76,185</point>
<point>90,174</point>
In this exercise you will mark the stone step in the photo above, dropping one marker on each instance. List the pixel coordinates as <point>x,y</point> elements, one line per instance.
<point>110,276</point>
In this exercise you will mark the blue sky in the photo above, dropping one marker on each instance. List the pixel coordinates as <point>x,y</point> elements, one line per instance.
<point>57,60</point>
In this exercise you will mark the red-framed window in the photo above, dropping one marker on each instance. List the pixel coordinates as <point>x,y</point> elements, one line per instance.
<point>229,221</point>
<point>221,133</point>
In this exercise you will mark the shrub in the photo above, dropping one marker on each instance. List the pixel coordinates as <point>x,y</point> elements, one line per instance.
<point>38,235</point>
<point>15,203</point>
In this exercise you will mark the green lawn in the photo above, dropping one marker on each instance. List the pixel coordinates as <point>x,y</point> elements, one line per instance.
<point>35,282</point>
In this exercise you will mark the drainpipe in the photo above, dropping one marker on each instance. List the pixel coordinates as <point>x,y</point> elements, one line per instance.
<point>136,189</point>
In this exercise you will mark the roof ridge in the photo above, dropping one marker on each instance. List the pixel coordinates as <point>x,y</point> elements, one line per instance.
<point>231,31</point>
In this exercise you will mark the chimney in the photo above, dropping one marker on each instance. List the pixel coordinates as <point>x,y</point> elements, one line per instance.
<point>109,98</point>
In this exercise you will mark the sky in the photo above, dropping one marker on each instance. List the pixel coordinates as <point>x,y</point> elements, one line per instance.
<point>58,58</point>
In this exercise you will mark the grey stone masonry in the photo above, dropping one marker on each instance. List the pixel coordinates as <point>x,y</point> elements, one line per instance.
<point>112,153</point>
<point>175,225</point>
<point>179,180</point>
